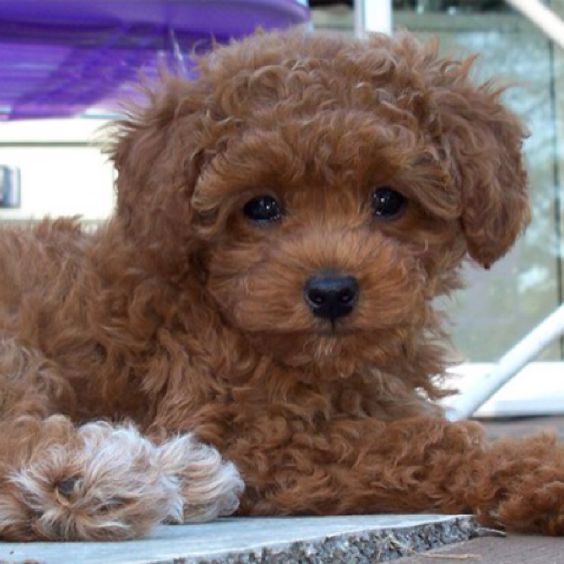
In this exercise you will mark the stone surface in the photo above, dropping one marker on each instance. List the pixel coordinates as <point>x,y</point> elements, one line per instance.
<point>347,539</point>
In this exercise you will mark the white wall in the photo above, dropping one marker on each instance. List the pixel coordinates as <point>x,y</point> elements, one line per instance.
<point>62,171</point>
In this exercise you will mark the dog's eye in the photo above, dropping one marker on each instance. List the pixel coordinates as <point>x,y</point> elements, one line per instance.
<point>387,203</point>
<point>262,209</point>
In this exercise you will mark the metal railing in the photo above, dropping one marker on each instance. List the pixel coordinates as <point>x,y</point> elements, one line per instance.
<point>525,351</point>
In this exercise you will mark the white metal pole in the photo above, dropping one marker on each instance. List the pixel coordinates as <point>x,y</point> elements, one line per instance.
<point>371,16</point>
<point>510,364</point>
<point>544,18</point>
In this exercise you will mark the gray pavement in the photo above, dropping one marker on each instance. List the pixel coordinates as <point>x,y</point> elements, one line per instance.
<point>348,539</point>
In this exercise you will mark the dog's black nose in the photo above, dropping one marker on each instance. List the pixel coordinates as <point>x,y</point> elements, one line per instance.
<point>331,296</point>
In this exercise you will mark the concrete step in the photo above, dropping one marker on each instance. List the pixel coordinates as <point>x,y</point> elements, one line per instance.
<point>343,539</point>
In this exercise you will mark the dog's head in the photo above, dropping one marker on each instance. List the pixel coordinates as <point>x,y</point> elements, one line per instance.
<point>326,189</point>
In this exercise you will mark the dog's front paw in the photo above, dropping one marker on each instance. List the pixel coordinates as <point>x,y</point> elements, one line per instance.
<point>210,486</point>
<point>523,489</point>
<point>97,481</point>
<point>536,507</point>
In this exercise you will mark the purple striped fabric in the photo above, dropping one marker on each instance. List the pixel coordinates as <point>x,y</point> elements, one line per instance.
<point>62,57</point>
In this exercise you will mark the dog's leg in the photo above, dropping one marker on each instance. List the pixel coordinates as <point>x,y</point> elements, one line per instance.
<point>98,480</point>
<point>410,465</point>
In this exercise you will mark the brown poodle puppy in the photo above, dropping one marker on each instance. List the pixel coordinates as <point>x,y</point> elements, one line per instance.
<point>266,286</point>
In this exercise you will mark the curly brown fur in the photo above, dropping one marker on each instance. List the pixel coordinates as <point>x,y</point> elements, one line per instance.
<point>184,316</point>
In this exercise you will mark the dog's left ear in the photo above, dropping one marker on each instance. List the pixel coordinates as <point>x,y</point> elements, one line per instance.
<point>481,142</point>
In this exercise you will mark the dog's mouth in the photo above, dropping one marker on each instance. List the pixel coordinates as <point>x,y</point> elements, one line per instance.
<point>313,328</point>
<point>336,351</point>
<point>333,328</point>
<point>329,332</point>
<point>316,333</point>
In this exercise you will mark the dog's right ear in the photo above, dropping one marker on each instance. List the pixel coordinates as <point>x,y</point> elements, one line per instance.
<point>155,152</point>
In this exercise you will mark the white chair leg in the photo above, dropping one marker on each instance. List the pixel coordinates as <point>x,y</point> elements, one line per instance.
<point>510,364</point>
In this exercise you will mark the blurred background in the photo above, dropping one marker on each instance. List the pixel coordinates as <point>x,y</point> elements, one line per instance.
<point>65,64</point>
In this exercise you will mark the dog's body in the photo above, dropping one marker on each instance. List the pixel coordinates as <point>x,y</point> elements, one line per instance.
<point>284,223</point>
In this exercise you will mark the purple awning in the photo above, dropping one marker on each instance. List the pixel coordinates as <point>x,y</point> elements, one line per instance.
<point>61,57</point>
